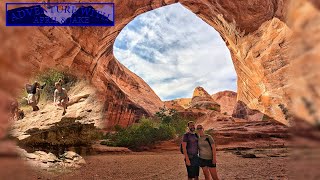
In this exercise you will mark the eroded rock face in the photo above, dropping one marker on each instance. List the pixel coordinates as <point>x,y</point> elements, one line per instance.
<point>304,69</point>
<point>242,111</point>
<point>185,103</point>
<point>227,101</point>
<point>202,100</point>
<point>173,105</point>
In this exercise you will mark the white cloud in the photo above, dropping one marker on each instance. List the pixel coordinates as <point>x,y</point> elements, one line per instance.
<point>174,51</point>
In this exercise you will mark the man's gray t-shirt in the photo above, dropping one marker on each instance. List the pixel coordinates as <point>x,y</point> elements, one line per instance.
<point>205,151</point>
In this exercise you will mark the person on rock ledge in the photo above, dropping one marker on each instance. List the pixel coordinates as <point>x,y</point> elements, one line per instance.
<point>34,94</point>
<point>60,96</point>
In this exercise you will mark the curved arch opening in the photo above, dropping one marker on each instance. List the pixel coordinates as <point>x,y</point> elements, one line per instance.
<point>175,51</point>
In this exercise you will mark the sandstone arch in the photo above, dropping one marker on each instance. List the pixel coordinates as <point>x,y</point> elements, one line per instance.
<point>255,31</point>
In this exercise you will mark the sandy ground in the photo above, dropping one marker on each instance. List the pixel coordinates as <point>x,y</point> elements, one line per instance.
<point>164,165</point>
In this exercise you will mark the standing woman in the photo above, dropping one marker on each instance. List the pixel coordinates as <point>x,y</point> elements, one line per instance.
<point>207,154</point>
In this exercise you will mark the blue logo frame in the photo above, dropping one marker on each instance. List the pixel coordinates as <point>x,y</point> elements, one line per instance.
<point>60,14</point>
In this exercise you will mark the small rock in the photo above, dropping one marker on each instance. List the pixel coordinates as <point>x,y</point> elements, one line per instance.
<point>52,158</point>
<point>31,156</point>
<point>70,155</point>
<point>249,156</point>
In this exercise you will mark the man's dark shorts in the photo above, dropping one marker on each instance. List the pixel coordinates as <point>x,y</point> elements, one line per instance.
<point>206,163</point>
<point>193,169</point>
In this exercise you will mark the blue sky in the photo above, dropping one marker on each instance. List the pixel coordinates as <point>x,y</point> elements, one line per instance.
<point>175,51</point>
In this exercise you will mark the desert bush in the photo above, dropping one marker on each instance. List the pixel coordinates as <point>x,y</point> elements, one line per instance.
<point>213,108</point>
<point>165,132</point>
<point>50,77</point>
<point>144,133</point>
<point>172,118</point>
<point>165,125</point>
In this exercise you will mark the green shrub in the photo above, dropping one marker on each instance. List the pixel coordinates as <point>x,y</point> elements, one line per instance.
<point>50,77</point>
<point>213,108</point>
<point>180,125</point>
<point>165,132</point>
<point>144,133</point>
<point>172,117</point>
<point>118,128</point>
<point>166,125</point>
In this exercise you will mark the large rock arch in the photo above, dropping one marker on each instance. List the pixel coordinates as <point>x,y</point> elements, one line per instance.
<point>255,31</point>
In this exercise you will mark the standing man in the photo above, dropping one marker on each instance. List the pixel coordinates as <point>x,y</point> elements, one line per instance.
<point>190,151</point>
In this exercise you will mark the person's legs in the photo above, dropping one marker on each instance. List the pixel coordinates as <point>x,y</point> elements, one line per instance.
<point>37,96</point>
<point>213,172</point>
<point>196,168</point>
<point>64,109</point>
<point>34,106</point>
<point>189,171</point>
<point>206,173</point>
<point>193,169</point>
<point>64,105</point>
<point>32,102</point>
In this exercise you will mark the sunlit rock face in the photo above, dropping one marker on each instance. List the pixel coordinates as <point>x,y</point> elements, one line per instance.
<point>254,30</point>
<point>227,101</point>
<point>303,19</point>
<point>202,100</point>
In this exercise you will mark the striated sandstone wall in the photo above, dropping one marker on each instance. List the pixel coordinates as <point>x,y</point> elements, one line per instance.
<point>227,101</point>
<point>304,54</point>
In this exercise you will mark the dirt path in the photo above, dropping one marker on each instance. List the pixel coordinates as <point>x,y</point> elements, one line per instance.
<point>170,165</point>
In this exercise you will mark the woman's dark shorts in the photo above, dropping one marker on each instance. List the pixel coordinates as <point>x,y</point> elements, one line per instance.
<point>206,163</point>
<point>193,169</point>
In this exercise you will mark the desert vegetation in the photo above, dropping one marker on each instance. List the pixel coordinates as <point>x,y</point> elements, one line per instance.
<point>166,124</point>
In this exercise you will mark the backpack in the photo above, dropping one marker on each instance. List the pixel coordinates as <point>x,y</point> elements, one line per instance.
<point>181,149</point>
<point>30,89</point>
<point>207,139</point>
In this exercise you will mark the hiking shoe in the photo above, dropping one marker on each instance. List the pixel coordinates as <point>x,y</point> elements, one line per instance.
<point>36,108</point>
